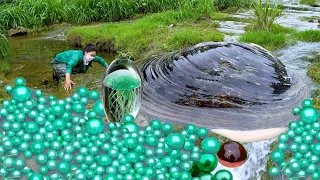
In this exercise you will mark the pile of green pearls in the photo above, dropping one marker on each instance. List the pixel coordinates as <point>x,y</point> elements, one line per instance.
<point>303,140</point>
<point>68,141</point>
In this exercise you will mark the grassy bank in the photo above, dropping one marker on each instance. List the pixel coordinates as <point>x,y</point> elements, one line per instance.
<point>279,37</point>
<point>160,32</point>
<point>310,2</point>
<point>31,14</point>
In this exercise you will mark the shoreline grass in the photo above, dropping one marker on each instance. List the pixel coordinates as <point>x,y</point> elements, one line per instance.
<point>310,2</point>
<point>36,14</point>
<point>150,33</point>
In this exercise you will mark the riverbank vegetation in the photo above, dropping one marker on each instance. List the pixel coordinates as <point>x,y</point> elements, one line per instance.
<point>158,32</point>
<point>314,3</point>
<point>31,14</point>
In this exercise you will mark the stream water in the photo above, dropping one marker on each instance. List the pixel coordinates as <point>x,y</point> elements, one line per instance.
<point>31,58</point>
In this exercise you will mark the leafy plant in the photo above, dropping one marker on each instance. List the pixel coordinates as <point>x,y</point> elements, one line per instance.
<point>266,13</point>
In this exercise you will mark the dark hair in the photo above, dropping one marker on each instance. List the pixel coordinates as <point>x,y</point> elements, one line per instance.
<point>89,48</point>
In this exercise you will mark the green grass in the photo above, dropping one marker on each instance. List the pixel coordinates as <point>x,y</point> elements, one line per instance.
<point>278,36</point>
<point>310,2</point>
<point>308,35</point>
<point>148,34</point>
<point>36,14</point>
<point>275,38</point>
<point>266,39</point>
<point>227,17</point>
<point>265,14</point>
<point>225,4</point>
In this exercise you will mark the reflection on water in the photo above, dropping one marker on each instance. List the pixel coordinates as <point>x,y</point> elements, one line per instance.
<point>31,57</point>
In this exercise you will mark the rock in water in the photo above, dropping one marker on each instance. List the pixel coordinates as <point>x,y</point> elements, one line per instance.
<point>235,86</point>
<point>19,31</point>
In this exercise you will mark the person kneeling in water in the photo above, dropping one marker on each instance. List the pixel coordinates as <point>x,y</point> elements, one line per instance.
<point>74,61</point>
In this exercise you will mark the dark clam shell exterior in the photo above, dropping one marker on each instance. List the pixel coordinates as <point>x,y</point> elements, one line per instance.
<point>221,85</point>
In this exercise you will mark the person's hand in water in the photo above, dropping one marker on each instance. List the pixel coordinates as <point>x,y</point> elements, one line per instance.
<point>69,83</point>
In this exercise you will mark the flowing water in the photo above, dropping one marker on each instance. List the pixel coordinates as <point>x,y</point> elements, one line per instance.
<point>31,58</point>
<point>294,16</point>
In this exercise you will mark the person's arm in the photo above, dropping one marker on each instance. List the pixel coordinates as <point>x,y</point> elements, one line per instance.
<point>72,63</point>
<point>101,61</point>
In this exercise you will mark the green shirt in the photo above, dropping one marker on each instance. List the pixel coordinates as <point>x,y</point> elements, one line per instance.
<point>74,58</point>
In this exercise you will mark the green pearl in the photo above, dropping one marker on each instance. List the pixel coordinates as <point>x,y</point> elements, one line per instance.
<point>3,172</point>
<point>283,137</point>
<point>195,156</point>
<point>111,170</point>
<point>131,142</point>
<point>20,81</point>
<point>31,127</point>
<point>294,166</point>
<point>94,95</point>
<point>303,148</point>
<point>56,145</point>
<point>277,156</point>
<point>132,127</point>
<point>274,171</point>
<point>297,155</point>
<point>296,110</point>
<point>132,157</point>
<point>175,141</point>
<point>151,140</point>
<point>16,174</point>
<point>287,172</point>
<point>98,108</point>
<point>94,126</point>
<point>43,170</point>
<point>315,175</point>
<point>307,139</point>
<point>41,159</point>
<point>297,139</point>
<point>316,126</point>
<point>206,176</point>
<point>155,124</point>
<point>307,103</point>
<point>311,168</point>
<point>104,160</point>
<point>304,163</point>
<point>8,162</point>
<point>36,176</point>
<point>37,147</point>
<point>27,154</point>
<point>207,162</point>
<point>82,91</point>
<point>21,93</point>
<point>8,89</point>
<point>302,173</point>
<point>89,159</point>
<point>63,167</point>
<point>167,128</point>
<point>293,147</point>
<point>78,107</point>
<point>52,154</point>
<point>51,164</point>
<point>168,161</point>
<point>210,145</point>
<point>186,166</point>
<point>282,146</point>
<point>309,115</point>
<point>223,175</point>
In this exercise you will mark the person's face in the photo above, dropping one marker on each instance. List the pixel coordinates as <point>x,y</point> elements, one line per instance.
<point>92,54</point>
